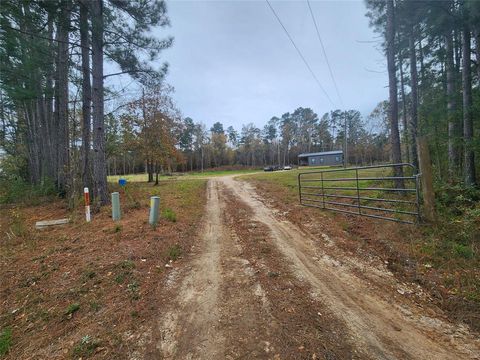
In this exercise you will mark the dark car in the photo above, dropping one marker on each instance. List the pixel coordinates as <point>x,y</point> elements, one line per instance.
<point>269,168</point>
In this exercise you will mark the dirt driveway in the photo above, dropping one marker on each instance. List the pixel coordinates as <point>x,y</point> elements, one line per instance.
<point>259,287</point>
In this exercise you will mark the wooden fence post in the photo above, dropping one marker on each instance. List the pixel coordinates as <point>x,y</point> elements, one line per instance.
<point>426,179</point>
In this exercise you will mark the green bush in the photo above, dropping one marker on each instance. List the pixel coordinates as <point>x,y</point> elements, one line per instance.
<point>458,228</point>
<point>15,190</point>
<point>14,186</point>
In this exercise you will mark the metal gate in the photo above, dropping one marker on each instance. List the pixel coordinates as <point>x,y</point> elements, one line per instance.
<point>372,191</point>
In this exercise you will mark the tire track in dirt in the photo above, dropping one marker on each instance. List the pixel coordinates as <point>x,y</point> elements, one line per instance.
<point>300,326</point>
<point>190,330</point>
<point>219,311</point>
<point>380,329</point>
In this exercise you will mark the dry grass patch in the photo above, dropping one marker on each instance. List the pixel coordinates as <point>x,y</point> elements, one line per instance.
<point>83,289</point>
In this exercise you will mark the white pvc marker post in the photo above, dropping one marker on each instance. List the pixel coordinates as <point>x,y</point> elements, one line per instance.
<point>86,195</point>
<point>154,209</point>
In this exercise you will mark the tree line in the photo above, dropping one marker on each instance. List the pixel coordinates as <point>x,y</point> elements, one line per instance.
<point>52,56</point>
<point>433,61</point>
<point>136,145</point>
<point>54,127</point>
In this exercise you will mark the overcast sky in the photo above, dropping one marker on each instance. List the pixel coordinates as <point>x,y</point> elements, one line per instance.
<point>232,62</point>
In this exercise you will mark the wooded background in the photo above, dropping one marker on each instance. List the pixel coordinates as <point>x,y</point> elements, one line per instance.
<point>56,135</point>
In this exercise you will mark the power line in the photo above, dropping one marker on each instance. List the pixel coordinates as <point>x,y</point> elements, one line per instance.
<point>325,53</point>
<point>300,53</point>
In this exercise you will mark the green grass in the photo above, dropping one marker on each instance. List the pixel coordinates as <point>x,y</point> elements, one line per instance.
<point>88,274</point>
<point>174,252</point>
<point>72,308</point>
<point>173,194</point>
<point>133,289</point>
<point>86,347</point>
<point>120,278</point>
<point>181,176</point>
<point>310,177</point>
<point>126,268</point>
<point>289,178</point>
<point>5,340</point>
<point>169,214</point>
<point>127,265</point>
<point>95,306</point>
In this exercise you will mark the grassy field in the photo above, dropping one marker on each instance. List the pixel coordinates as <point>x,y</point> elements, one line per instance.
<point>331,176</point>
<point>94,286</point>
<point>181,176</point>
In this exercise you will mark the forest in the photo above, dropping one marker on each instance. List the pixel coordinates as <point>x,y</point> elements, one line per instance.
<point>59,131</point>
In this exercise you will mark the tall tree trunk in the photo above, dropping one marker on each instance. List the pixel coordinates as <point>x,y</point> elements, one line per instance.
<point>477,50</point>
<point>422,63</point>
<point>99,164</point>
<point>49,114</point>
<point>451,107</point>
<point>393,101</point>
<point>457,35</point>
<point>29,107</point>
<point>414,99</point>
<point>43,145</point>
<point>86,95</point>
<point>150,170</point>
<point>469,157</point>
<point>62,98</point>
<point>32,143</point>
<point>404,112</point>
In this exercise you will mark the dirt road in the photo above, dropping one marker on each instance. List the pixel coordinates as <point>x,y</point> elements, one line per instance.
<point>259,287</point>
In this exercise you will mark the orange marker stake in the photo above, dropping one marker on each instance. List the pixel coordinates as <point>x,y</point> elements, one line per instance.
<point>86,195</point>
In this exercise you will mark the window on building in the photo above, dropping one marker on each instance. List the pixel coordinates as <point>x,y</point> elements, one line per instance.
<point>321,160</point>
<point>337,158</point>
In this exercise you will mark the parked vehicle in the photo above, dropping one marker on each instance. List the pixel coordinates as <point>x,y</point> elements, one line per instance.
<point>287,167</point>
<point>269,168</point>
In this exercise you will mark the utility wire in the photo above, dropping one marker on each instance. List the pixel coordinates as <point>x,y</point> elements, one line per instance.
<point>300,53</point>
<point>325,53</point>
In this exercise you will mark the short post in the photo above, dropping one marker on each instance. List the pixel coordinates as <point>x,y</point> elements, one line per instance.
<point>86,196</point>
<point>115,206</point>
<point>154,208</point>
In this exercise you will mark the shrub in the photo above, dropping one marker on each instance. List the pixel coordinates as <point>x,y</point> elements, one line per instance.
<point>17,190</point>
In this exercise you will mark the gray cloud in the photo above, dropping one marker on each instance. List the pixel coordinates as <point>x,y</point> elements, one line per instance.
<point>232,62</point>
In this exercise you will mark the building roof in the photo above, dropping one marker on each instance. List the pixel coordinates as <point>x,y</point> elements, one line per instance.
<point>335,152</point>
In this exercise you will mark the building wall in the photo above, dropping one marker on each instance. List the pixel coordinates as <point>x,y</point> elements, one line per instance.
<point>325,160</point>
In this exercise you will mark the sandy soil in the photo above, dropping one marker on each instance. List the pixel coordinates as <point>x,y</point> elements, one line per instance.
<point>260,287</point>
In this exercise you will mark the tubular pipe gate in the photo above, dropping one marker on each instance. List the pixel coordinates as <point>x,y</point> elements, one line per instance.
<point>400,203</point>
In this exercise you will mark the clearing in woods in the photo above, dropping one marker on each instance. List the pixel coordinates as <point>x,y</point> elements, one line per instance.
<point>258,286</point>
